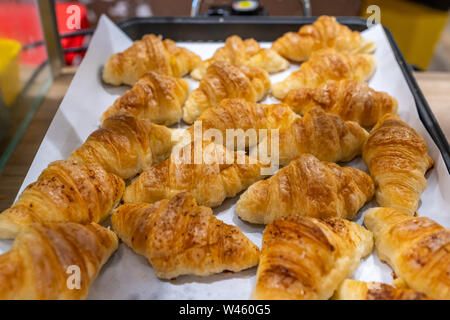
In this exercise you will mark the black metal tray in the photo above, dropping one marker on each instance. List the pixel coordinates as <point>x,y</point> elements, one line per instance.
<point>268,29</point>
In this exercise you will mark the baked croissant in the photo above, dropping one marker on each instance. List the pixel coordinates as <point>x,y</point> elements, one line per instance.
<point>45,260</point>
<point>179,237</point>
<point>306,187</point>
<point>417,248</point>
<point>246,52</point>
<point>125,145</point>
<point>237,114</point>
<point>357,290</point>
<point>223,80</point>
<point>155,97</point>
<point>64,191</point>
<point>324,65</point>
<point>326,32</point>
<point>349,99</point>
<point>211,174</point>
<point>397,158</point>
<point>149,54</point>
<point>304,258</point>
<point>324,135</point>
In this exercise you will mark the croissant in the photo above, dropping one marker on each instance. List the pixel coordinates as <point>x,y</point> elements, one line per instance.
<point>349,99</point>
<point>417,248</point>
<point>245,118</point>
<point>65,191</point>
<point>246,52</point>
<point>149,54</point>
<point>218,174</point>
<point>306,187</point>
<point>324,65</point>
<point>178,237</point>
<point>155,97</point>
<point>125,145</point>
<point>321,134</point>
<point>223,80</point>
<point>46,258</point>
<point>397,158</point>
<point>357,290</point>
<point>305,258</point>
<point>326,32</point>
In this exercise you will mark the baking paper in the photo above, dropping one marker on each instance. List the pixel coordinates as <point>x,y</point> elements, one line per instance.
<point>129,276</point>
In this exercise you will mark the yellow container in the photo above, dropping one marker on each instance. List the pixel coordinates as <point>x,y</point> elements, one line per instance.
<point>415,27</point>
<point>9,69</point>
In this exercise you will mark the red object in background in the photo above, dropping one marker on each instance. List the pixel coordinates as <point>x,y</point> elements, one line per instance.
<point>20,21</point>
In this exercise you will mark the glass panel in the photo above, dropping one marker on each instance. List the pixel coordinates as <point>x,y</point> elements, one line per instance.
<point>24,72</point>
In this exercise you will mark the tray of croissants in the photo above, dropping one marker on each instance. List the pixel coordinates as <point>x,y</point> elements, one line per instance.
<point>335,191</point>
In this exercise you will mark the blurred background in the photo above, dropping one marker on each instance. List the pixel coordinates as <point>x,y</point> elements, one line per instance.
<point>421,29</point>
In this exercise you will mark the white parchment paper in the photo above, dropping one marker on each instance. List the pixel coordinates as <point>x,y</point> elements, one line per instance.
<point>129,276</point>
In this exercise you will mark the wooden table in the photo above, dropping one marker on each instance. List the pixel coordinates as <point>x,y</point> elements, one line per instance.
<point>435,86</point>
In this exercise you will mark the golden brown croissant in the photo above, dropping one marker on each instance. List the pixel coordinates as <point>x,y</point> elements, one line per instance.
<point>306,187</point>
<point>64,191</point>
<point>223,80</point>
<point>246,52</point>
<point>125,145</point>
<point>305,258</point>
<point>149,54</point>
<point>179,237</point>
<point>397,158</point>
<point>324,65</point>
<point>326,32</point>
<point>211,175</point>
<point>357,290</point>
<point>417,248</point>
<point>349,99</point>
<point>241,114</point>
<point>46,259</point>
<point>324,135</point>
<point>155,97</point>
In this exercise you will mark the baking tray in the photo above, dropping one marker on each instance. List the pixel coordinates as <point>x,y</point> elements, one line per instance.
<point>267,29</point>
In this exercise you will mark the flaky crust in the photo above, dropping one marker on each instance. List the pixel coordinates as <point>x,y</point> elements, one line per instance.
<point>326,32</point>
<point>179,237</point>
<point>125,145</point>
<point>149,54</point>
<point>397,157</point>
<point>241,114</point>
<point>307,187</point>
<point>246,52</point>
<point>324,135</point>
<point>155,97</point>
<point>211,179</point>
<point>38,266</point>
<point>417,248</point>
<point>305,258</point>
<point>349,99</point>
<point>357,290</point>
<point>223,80</point>
<point>65,191</point>
<point>324,65</point>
